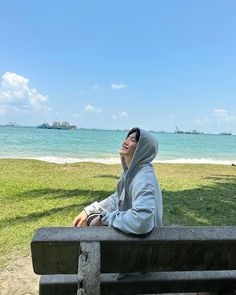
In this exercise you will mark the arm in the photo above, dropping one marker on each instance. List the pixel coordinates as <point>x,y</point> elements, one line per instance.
<point>109,204</point>
<point>80,220</point>
<point>139,219</point>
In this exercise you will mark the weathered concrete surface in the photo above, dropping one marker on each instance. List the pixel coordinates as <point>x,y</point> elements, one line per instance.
<point>184,259</point>
<point>56,250</point>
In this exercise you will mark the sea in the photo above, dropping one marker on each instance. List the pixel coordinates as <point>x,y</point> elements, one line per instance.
<point>91,145</point>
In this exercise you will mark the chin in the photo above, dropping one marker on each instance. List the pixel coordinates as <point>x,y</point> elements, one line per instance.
<point>122,153</point>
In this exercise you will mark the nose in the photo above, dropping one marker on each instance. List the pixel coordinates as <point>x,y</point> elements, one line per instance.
<point>126,140</point>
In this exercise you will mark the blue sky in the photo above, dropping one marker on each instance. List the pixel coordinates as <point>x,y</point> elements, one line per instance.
<point>117,64</point>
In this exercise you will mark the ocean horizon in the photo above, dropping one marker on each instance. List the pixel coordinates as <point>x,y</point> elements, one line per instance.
<point>102,146</point>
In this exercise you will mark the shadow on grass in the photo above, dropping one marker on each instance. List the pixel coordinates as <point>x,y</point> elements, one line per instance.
<point>207,205</point>
<point>221,177</point>
<point>87,197</point>
<point>37,215</point>
<point>64,194</point>
<point>107,176</point>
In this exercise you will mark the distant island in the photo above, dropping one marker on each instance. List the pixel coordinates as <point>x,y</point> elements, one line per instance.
<point>197,132</point>
<point>58,125</point>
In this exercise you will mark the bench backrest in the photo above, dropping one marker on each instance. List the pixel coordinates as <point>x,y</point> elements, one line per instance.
<point>56,250</point>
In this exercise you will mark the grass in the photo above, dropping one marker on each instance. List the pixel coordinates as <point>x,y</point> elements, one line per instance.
<point>35,194</point>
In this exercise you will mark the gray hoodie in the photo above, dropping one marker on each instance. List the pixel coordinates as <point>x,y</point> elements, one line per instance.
<point>136,206</point>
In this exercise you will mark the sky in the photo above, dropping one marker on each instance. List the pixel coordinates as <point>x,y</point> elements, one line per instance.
<point>156,64</point>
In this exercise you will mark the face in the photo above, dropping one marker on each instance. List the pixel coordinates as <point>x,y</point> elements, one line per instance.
<point>128,147</point>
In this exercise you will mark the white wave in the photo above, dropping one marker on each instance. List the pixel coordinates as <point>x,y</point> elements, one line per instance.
<point>59,160</point>
<point>198,161</point>
<point>64,160</point>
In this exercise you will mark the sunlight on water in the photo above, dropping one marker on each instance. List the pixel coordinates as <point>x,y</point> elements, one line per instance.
<point>103,146</point>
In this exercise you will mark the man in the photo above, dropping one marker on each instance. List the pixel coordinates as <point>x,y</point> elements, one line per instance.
<point>136,206</point>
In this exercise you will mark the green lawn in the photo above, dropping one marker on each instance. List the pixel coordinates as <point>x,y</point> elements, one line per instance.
<point>35,194</point>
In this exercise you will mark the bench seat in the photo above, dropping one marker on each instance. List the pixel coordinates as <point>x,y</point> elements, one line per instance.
<point>87,260</point>
<point>158,282</point>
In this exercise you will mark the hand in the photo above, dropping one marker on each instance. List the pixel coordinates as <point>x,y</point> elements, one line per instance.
<point>96,221</point>
<point>80,220</point>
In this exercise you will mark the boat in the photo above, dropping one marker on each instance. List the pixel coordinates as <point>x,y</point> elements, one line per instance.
<point>58,125</point>
<point>225,133</point>
<point>178,131</point>
<point>11,124</point>
<point>186,132</point>
<point>44,126</point>
<point>192,132</point>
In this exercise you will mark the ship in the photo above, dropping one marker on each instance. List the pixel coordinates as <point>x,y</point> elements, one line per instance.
<point>11,124</point>
<point>178,131</point>
<point>186,132</point>
<point>192,132</point>
<point>225,133</point>
<point>58,125</point>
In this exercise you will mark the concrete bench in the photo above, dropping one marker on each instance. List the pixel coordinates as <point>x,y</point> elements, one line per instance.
<point>171,259</point>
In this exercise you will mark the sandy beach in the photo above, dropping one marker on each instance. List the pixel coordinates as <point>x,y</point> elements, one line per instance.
<point>17,277</point>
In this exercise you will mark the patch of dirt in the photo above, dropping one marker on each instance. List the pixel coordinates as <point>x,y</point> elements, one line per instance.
<point>17,277</point>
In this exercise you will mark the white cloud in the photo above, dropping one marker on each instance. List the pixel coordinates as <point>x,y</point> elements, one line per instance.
<point>91,109</point>
<point>219,112</point>
<point>116,86</point>
<point>114,115</point>
<point>122,115</point>
<point>17,96</point>
<point>223,115</point>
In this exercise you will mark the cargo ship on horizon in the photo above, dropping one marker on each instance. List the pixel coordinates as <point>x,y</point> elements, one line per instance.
<point>58,125</point>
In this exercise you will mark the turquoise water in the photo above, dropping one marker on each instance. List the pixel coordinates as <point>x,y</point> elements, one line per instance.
<point>103,145</point>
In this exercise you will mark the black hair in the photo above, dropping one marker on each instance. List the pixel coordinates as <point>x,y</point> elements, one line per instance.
<point>134,130</point>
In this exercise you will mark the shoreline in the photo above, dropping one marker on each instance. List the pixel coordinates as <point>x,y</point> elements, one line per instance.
<point>112,161</point>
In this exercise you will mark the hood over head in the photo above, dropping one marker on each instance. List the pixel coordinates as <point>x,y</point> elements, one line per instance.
<point>145,152</point>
